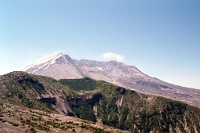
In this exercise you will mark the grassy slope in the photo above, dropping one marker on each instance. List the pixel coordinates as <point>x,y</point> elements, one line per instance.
<point>23,89</point>
<point>133,111</point>
<point>19,106</point>
<point>100,102</point>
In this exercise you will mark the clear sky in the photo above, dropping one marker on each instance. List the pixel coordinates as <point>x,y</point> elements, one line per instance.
<point>160,37</point>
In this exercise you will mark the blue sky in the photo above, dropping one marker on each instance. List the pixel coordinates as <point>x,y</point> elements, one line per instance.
<point>161,38</point>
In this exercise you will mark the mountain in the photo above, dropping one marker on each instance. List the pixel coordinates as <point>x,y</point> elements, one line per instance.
<point>62,66</point>
<point>57,66</point>
<point>31,103</point>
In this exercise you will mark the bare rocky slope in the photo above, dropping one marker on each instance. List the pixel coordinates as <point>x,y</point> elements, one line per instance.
<point>62,66</point>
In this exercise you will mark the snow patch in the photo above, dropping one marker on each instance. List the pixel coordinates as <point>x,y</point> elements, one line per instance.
<point>100,68</point>
<point>44,63</point>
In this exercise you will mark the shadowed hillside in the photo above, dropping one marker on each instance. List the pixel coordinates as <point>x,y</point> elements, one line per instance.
<point>128,110</point>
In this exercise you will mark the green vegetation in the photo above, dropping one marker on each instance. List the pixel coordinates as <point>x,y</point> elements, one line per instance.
<point>80,84</point>
<point>128,110</point>
<point>91,100</point>
<point>30,83</point>
<point>32,130</point>
<point>84,111</point>
<point>26,90</point>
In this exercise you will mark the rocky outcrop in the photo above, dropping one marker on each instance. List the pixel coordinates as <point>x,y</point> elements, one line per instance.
<point>48,99</point>
<point>76,101</point>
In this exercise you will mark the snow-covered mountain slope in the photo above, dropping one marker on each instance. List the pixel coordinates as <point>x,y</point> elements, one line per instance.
<point>45,63</point>
<point>61,66</point>
<point>57,66</point>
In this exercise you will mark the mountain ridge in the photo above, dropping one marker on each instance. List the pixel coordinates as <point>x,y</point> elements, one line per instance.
<point>64,67</point>
<point>100,102</point>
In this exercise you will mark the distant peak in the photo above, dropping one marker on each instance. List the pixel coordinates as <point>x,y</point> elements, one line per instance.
<point>47,61</point>
<point>60,54</point>
<point>114,62</point>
